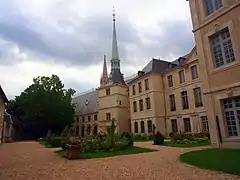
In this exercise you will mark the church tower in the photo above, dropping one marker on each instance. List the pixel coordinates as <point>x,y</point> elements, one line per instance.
<point>104,78</point>
<point>113,100</point>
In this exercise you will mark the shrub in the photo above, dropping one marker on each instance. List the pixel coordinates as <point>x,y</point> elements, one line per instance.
<point>187,138</point>
<point>63,145</point>
<point>171,134</point>
<point>128,137</point>
<point>56,142</point>
<point>158,138</point>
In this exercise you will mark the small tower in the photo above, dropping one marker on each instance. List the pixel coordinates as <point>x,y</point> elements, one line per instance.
<point>113,97</point>
<point>104,78</point>
<point>116,75</point>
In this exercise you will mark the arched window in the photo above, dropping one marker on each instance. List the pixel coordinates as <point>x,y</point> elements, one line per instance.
<point>142,127</point>
<point>150,126</point>
<point>82,131</point>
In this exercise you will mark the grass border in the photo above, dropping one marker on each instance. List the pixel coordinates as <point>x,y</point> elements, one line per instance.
<point>133,150</point>
<point>220,160</point>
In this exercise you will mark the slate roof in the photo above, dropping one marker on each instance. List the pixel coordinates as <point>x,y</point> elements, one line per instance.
<point>3,95</point>
<point>117,77</point>
<point>86,103</point>
<point>156,65</point>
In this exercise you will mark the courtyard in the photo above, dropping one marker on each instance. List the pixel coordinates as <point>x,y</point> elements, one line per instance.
<point>32,161</point>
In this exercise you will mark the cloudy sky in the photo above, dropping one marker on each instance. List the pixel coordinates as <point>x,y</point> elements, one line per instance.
<point>70,37</point>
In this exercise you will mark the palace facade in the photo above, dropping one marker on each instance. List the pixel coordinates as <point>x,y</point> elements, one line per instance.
<point>197,92</point>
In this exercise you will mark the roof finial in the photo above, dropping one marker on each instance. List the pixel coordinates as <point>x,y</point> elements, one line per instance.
<point>114,14</point>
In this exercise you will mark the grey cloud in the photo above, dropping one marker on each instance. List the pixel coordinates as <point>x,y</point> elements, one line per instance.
<point>84,40</point>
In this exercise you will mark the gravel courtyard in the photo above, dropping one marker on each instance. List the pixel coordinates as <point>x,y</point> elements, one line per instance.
<point>32,161</point>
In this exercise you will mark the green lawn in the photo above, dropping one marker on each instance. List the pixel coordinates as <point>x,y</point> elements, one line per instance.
<point>172,144</point>
<point>133,150</point>
<point>46,145</point>
<point>225,160</point>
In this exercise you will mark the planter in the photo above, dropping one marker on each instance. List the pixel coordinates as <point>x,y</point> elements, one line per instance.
<point>72,151</point>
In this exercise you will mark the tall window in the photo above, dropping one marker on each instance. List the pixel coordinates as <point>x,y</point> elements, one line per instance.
<point>204,122</point>
<point>148,103</point>
<point>187,124</point>
<point>83,131</point>
<point>174,125</point>
<point>181,76</point>
<point>95,117</point>
<point>108,91</point>
<point>140,87</point>
<point>212,5</point>
<point>146,84</point>
<point>184,98</point>
<point>136,127</point>
<point>134,106</point>
<point>198,97</point>
<point>222,48</point>
<point>194,72</point>
<point>142,127</point>
<point>89,118</point>
<point>141,105</point>
<point>150,126</point>
<point>231,109</point>
<point>83,118</point>
<point>133,90</point>
<point>172,102</point>
<point>108,116</point>
<point>170,81</point>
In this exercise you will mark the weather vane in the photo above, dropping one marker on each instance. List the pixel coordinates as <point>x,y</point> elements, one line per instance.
<point>114,14</point>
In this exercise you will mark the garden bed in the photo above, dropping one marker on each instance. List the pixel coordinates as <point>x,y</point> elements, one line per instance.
<point>132,150</point>
<point>224,160</point>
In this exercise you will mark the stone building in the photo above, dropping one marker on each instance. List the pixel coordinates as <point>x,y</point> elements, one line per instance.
<point>216,28</point>
<point>3,101</point>
<point>197,92</point>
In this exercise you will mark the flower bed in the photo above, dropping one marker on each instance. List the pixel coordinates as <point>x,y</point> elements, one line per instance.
<point>188,140</point>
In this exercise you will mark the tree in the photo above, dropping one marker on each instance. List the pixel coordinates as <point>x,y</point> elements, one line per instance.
<point>44,105</point>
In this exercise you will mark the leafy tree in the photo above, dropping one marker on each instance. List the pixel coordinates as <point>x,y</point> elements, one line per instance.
<point>44,105</point>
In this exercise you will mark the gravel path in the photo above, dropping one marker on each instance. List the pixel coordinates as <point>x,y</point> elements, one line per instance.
<point>31,161</point>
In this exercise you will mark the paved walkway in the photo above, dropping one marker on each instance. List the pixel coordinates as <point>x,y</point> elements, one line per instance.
<point>31,161</point>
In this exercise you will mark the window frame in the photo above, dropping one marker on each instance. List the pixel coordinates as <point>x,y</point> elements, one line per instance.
<point>146,82</point>
<point>184,99</point>
<point>108,92</point>
<point>108,116</point>
<point>197,92</point>
<point>194,72</point>
<point>150,126</point>
<point>172,102</point>
<point>170,80</point>
<point>142,125</point>
<point>133,90</point>
<point>134,106</point>
<point>148,103</point>
<point>186,127</point>
<point>140,105</point>
<point>181,75</point>
<point>174,128</point>
<point>212,3</point>
<point>220,48</point>
<point>232,107</point>
<point>139,87</point>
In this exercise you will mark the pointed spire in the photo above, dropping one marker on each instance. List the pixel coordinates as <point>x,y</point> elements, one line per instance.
<point>104,79</point>
<point>115,54</point>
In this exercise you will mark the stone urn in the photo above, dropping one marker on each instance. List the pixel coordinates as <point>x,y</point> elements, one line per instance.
<point>73,148</point>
